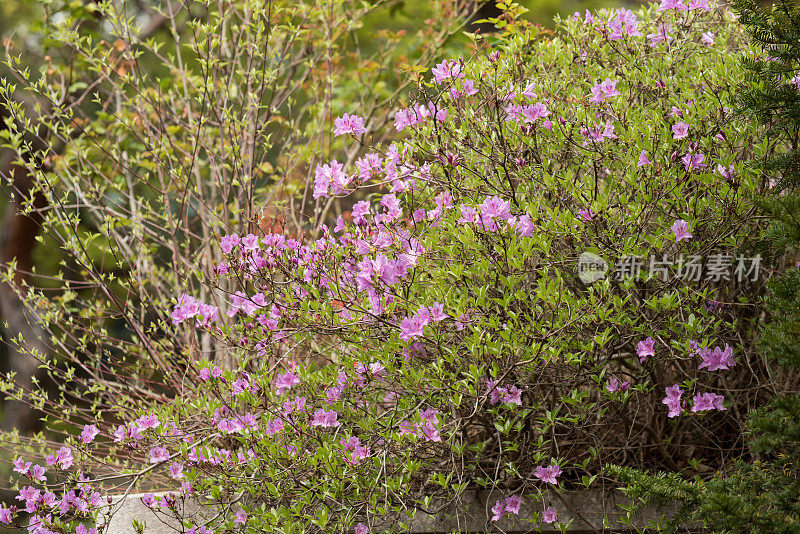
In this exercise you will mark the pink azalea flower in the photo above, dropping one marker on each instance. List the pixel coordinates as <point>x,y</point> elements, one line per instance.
<point>533,112</point>
<point>605,89</point>
<point>624,22</point>
<point>586,215</point>
<point>677,5</point>
<point>241,302</point>
<point>437,312</point>
<point>661,34</point>
<point>497,511</point>
<point>513,502</point>
<point>673,400</point>
<point>645,348</point>
<point>151,420</point>
<point>361,528</point>
<point>64,458</point>
<point>286,381</point>
<point>357,451</point>
<point>493,208</point>
<point>707,401</point>
<point>158,454</point>
<point>327,175</point>
<point>449,68</point>
<point>149,500</point>
<point>699,4</point>
<point>81,529</point>
<point>89,433</point>
<point>274,426</point>
<point>495,393</point>
<point>716,359</point>
<point>615,385</point>
<point>411,328</point>
<point>241,517</point>
<point>693,161</point>
<point>528,92</point>
<point>325,419</point>
<point>681,230</point>
<point>228,242</point>
<point>348,124</point>
<point>360,211</point>
<point>726,173</point>
<point>548,474</point>
<point>468,214</point>
<point>176,470</point>
<point>513,396</point>
<point>404,118</point>
<point>469,88</point>
<point>549,515</point>
<point>37,473</point>
<point>513,112</point>
<point>21,466</point>
<point>680,130</point>
<point>430,432</point>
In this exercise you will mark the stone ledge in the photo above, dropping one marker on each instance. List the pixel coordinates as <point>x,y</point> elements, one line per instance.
<point>592,511</point>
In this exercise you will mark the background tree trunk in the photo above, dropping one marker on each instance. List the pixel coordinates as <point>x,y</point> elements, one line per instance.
<point>17,240</point>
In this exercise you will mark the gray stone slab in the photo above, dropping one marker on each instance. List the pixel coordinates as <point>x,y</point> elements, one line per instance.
<point>591,511</point>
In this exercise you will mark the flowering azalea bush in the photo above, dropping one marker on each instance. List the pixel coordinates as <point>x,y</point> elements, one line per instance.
<point>438,336</point>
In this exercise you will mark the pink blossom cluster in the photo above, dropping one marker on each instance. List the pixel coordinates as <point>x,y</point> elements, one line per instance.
<point>46,510</point>
<point>707,401</point>
<point>419,114</point>
<point>187,307</point>
<point>700,401</point>
<point>467,89</point>
<point>354,450</point>
<point>596,134</point>
<point>548,474</point>
<point>348,124</point>
<point>511,505</point>
<point>330,179</point>
<point>673,400</point>
<point>325,418</point>
<point>623,23</point>
<point>512,395</point>
<point>529,114</point>
<point>138,429</point>
<point>427,427</point>
<point>661,35</point>
<point>716,359</point>
<point>645,349</point>
<point>447,69</point>
<point>413,327</point>
<point>604,90</point>
<point>613,385</point>
<point>682,5</point>
<point>285,381</point>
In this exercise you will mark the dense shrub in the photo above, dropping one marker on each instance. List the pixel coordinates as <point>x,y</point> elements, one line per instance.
<point>437,336</point>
